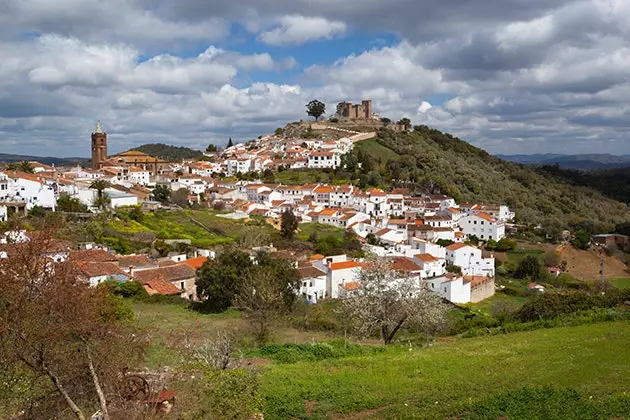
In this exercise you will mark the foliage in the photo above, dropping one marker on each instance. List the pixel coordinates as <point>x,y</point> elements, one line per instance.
<point>293,353</point>
<point>289,224</point>
<point>505,244</point>
<point>387,300</point>
<point>315,109</point>
<point>161,193</point>
<point>230,143</point>
<point>551,259</point>
<point>266,291</point>
<point>613,183</point>
<point>37,211</point>
<point>219,281</point>
<point>102,201</point>
<point>582,239</point>
<point>491,245</point>
<point>444,242</point>
<point>451,268</point>
<point>529,267</point>
<point>405,122</point>
<point>168,152</point>
<point>71,205</point>
<point>211,148</point>
<point>180,197</point>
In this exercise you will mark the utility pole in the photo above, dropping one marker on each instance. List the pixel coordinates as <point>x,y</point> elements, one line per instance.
<point>601,266</point>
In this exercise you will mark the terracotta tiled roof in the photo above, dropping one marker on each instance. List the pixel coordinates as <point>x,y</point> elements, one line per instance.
<point>126,261</point>
<point>161,287</point>
<point>317,257</point>
<point>92,255</point>
<point>94,269</point>
<point>426,257</point>
<point>328,212</point>
<point>323,189</point>
<point>486,216</point>
<point>344,265</point>
<point>168,273</point>
<point>352,285</point>
<point>405,264</point>
<point>455,247</point>
<point>310,271</point>
<point>195,263</point>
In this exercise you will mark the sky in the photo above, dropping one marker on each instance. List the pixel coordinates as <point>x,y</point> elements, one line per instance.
<point>510,76</point>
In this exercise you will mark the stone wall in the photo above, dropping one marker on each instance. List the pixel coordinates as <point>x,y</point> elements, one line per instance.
<point>482,291</point>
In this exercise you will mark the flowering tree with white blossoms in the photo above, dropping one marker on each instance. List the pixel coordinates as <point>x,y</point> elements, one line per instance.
<point>387,300</point>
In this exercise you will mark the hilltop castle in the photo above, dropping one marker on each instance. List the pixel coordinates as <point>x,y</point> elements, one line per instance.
<point>362,111</point>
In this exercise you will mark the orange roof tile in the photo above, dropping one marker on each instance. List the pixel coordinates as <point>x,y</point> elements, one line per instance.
<point>352,285</point>
<point>455,247</point>
<point>195,263</point>
<point>328,212</point>
<point>317,257</point>
<point>485,216</point>
<point>426,257</point>
<point>344,265</point>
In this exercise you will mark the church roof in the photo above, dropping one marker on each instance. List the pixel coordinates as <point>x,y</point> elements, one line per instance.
<point>99,128</point>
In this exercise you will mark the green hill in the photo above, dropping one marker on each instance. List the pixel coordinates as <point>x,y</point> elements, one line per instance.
<point>169,153</point>
<point>427,160</point>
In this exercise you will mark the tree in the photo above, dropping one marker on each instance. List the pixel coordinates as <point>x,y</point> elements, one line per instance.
<point>505,244</point>
<point>267,291</point>
<point>180,197</point>
<point>218,281</point>
<point>161,193</point>
<point>444,242</point>
<point>315,109</point>
<point>71,205</point>
<point>279,132</point>
<point>473,240</point>
<point>451,268</point>
<point>288,224</point>
<point>551,259</point>
<point>102,202</point>
<point>100,185</point>
<point>386,121</point>
<point>581,240</point>
<point>37,211</point>
<point>211,148</point>
<point>371,239</point>
<point>63,335</point>
<point>528,267</point>
<point>405,122</point>
<point>491,245</point>
<point>388,300</point>
<point>230,143</point>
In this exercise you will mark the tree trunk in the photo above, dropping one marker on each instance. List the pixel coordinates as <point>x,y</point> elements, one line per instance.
<point>395,330</point>
<point>101,395</point>
<point>75,409</point>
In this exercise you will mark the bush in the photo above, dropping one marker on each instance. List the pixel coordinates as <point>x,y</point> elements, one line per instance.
<point>293,353</point>
<point>505,244</point>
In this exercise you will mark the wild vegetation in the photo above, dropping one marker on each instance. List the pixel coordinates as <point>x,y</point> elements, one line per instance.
<point>168,152</point>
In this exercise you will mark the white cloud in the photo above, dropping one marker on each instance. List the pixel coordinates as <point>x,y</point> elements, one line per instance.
<point>295,30</point>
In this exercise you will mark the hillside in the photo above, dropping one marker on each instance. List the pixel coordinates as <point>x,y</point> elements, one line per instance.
<point>169,153</point>
<point>431,161</point>
<point>582,162</point>
<point>48,160</point>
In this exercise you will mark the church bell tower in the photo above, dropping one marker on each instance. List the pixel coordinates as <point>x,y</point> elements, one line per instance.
<point>99,147</point>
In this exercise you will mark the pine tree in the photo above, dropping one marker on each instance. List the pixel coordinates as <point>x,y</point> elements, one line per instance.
<point>230,144</point>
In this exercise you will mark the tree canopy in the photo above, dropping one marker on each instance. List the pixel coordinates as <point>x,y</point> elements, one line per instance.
<point>288,224</point>
<point>315,109</point>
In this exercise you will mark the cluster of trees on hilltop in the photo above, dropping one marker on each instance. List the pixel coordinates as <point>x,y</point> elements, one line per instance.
<point>427,160</point>
<point>169,153</point>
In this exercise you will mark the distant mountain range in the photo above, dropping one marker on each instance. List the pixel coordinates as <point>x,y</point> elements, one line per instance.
<point>8,158</point>
<point>583,162</point>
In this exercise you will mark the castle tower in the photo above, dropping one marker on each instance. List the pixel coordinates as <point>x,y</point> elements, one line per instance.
<point>99,146</point>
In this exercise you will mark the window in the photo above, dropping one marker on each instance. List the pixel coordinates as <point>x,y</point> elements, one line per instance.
<point>475,222</point>
<point>482,222</point>
<point>181,285</point>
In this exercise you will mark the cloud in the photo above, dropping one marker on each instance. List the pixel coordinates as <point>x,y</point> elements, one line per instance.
<point>295,30</point>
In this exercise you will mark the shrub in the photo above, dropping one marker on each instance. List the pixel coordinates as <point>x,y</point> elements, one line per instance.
<point>293,353</point>
<point>505,244</point>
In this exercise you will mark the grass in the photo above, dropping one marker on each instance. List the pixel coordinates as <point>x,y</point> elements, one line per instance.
<point>621,283</point>
<point>375,149</point>
<point>518,254</point>
<point>306,229</point>
<point>497,301</point>
<point>436,382</point>
<point>302,176</point>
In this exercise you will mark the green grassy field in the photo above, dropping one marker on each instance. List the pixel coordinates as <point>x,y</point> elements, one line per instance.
<point>518,254</point>
<point>373,148</point>
<point>440,381</point>
<point>621,283</point>
<point>306,229</point>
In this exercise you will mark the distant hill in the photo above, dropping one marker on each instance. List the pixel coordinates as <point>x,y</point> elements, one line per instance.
<point>8,158</point>
<point>582,162</point>
<point>169,153</point>
<point>613,183</point>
